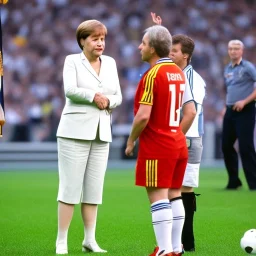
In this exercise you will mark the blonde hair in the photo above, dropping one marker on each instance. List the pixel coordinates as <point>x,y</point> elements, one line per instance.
<point>89,27</point>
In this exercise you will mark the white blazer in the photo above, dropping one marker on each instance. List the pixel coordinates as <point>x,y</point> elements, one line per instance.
<point>81,117</point>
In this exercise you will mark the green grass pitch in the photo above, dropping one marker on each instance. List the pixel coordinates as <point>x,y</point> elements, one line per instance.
<point>28,215</point>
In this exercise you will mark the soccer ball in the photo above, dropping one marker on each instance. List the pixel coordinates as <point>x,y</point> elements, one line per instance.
<point>248,241</point>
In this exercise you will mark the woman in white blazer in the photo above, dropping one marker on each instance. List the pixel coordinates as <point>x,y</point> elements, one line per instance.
<point>92,91</point>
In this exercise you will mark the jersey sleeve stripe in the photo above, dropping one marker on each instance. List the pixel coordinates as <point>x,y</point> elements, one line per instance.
<point>145,103</point>
<point>189,74</point>
<point>147,97</point>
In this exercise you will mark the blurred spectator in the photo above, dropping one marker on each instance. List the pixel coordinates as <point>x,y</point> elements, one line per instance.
<point>38,34</point>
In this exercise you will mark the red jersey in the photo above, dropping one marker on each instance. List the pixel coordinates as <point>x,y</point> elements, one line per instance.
<point>163,87</point>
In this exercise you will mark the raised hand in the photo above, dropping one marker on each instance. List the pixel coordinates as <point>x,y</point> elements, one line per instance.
<point>156,19</point>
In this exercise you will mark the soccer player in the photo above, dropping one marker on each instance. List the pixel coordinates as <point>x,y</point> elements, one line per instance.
<point>163,153</point>
<point>181,53</point>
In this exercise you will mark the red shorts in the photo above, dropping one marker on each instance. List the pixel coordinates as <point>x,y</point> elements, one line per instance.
<point>162,173</point>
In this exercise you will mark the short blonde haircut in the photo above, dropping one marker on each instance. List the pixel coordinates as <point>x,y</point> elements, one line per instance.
<point>89,27</point>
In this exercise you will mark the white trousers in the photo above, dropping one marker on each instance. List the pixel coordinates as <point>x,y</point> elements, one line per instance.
<point>82,167</point>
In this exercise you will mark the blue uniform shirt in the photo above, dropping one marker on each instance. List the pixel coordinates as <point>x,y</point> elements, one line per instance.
<point>239,81</point>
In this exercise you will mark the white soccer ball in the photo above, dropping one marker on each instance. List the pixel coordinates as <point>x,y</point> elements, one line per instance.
<point>248,241</point>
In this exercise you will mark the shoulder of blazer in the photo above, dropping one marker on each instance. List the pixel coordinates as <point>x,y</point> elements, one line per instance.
<point>107,59</point>
<point>79,56</point>
<point>73,57</point>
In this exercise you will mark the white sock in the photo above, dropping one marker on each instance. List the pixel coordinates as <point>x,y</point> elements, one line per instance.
<point>178,213</point>
<point>65,213</point>
<point>162,224</point>
<point>89,234</point>
<point>62,237</point>
<point>89,213</point>
<point>90,239</point>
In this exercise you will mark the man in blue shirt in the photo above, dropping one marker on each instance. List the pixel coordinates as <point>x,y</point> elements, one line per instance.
<point>239,118</point>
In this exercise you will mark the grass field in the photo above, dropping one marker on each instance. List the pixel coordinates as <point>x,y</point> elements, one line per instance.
<point>28,216</point>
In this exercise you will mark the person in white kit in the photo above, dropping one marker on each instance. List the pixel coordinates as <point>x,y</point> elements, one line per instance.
<point>181,53</point>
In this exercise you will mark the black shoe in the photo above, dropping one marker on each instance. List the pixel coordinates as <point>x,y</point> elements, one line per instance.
<point>234,186</point>
<point>191,250</point>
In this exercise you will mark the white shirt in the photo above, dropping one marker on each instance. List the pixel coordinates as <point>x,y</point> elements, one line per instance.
<point>188,94</point>
<point>197,85</point>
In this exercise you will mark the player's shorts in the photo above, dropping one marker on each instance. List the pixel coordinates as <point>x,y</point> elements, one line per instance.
<point>82,167</point>
<point>195,150</point>
<point>163,172</point>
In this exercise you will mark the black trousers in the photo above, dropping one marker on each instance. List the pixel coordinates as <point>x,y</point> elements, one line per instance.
<point>240,125</point>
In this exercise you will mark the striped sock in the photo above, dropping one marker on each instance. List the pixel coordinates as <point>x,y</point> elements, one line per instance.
<point>162,223</point>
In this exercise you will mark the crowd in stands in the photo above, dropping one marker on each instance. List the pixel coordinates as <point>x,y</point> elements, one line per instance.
<point>38,34</point>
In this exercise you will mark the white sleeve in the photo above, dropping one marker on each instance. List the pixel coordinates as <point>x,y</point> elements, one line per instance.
<point>199,87</point>
<point>188,95</point>
<point>72,91</point>
<point>199,94</point>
